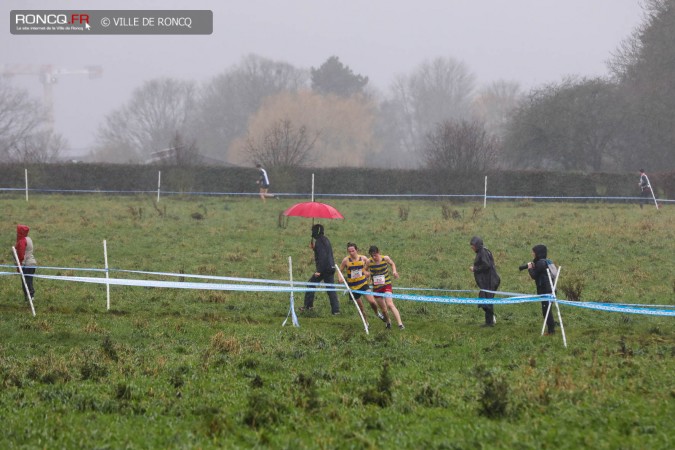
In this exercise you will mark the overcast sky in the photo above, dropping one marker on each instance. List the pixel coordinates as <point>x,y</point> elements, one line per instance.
<point>532,42</point>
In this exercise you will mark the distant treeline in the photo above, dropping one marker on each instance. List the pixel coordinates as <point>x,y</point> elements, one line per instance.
<point>109,177</point>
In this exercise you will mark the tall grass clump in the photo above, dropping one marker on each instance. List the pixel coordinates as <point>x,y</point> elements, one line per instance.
<point>493,400</point>
<point>382,394</point>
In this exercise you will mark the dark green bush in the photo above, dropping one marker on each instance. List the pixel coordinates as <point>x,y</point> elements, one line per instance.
<point>118,178</point>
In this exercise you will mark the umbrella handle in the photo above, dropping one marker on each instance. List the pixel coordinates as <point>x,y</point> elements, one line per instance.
<point>311,241</point>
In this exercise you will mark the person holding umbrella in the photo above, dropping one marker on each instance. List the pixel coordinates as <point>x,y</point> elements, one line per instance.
<point>325,269</point>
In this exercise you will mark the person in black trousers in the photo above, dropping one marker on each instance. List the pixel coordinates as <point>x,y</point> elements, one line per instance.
<point>486,276</point>
<point>325,269</point>
<point>537,269</point>
<point>24,250</point>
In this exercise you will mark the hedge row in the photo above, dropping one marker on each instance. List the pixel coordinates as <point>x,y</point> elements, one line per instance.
<point>106,177</point>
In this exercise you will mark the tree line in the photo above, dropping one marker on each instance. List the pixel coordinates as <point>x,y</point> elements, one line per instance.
<point>436,116</point>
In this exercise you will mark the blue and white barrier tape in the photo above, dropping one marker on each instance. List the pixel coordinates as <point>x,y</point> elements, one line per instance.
<point>333,287</point>
<point>611,307</point>
<point>281,286</point>
<point>178,284</point>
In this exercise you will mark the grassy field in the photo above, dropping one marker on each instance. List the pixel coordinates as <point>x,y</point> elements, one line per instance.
<point>174,368</point>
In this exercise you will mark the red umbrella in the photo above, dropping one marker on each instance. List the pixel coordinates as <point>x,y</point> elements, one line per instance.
<point>314,210</point>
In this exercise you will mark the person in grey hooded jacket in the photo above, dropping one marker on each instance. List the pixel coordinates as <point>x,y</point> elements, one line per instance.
<point>486,276</point>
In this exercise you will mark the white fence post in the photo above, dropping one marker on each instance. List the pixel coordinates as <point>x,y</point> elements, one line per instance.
<point>23,279</point>
<point>107,276</point>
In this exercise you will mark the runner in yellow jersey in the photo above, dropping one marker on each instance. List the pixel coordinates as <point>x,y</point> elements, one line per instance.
<point>357,279</point>
<point>379,273</point>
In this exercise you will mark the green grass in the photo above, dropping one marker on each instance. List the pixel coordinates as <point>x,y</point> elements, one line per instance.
<point>215,369</point>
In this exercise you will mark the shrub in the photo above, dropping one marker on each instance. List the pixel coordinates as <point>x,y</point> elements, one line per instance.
<point>572,286</point>
<point>122,391</point>
<point>222,344</point>
<point>263,410</point>
<point>381,395</point>
<point>307,396</point>
<point>494,398</point>
<point>430,397</point>
<point>48,369</point>
<point>109,349</point>
<point>93,370</point>
<point>403,212</point>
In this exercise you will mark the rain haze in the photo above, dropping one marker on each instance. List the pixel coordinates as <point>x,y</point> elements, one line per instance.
<point>531,42</point>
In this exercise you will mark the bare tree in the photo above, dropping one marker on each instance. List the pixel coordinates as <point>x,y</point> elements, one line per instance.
<point>343,127</point>
<point>495,103</point>
<point>461,147</point>
<point>20,117</point>
<point>282,145</point>
<point>391,137</point>
<point>42,146</point>
<point>437,91</point>
<point>157,111</point>
<point>227,102</point>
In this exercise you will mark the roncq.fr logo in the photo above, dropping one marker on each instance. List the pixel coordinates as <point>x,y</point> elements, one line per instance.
<point>51,19</point>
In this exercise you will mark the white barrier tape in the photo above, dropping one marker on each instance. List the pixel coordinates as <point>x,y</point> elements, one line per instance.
<point>461,300</point>
<point>335,286</point>
<point>256,288</point>
<point>643,309</point>
<point>177,284</point>
<point>510,294</point>
<point>635,309</point>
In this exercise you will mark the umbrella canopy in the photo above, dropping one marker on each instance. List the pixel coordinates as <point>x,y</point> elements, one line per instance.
<point>314,210</point>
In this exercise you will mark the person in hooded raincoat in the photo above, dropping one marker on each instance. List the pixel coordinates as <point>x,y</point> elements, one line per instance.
<point>537,269</point>
<point>24,250</point>
<point>486,276</point>
<point>325,269</point>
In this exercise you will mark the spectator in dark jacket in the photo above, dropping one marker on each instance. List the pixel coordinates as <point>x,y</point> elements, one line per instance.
<point>538,269</point>
<point>486,276</point>
<point>325,269</point>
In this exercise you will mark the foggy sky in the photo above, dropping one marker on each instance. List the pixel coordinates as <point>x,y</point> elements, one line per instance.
<point>532,42</point>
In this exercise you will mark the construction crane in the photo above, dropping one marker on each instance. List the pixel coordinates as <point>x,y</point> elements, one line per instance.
<point>49,75</point>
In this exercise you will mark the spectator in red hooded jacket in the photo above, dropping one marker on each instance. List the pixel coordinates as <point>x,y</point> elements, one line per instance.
<point>24,250</point>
